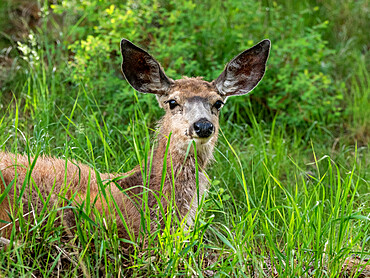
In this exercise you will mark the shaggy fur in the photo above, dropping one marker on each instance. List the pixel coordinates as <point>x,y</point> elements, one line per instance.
<point>62,180</point>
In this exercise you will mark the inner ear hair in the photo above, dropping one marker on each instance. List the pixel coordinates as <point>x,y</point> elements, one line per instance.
<point>243,73</point>
<point>142,71</point>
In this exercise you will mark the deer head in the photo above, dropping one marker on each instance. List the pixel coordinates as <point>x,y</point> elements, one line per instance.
<point>192,104</point>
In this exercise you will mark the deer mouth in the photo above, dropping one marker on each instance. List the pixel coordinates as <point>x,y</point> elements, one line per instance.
<point>198,140</point>
<point>202,141</point>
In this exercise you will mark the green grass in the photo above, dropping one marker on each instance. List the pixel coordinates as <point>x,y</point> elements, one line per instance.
<point>305,212</point>
<point>282,199</point>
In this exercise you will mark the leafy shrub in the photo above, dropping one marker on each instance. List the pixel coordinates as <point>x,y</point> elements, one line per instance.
<point>197,38</point>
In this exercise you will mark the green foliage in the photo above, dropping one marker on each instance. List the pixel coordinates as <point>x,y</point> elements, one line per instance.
<point>281,194</point>
<point>196,38</point>
<point>297,81</point>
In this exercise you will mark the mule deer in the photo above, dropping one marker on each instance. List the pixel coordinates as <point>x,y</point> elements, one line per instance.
<point>192,108</point>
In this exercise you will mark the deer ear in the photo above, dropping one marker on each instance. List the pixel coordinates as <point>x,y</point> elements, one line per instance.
<point>244,72</point>
<point>142,71</point>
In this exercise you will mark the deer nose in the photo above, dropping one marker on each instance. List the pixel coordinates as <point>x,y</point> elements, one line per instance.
<point>203,128</point>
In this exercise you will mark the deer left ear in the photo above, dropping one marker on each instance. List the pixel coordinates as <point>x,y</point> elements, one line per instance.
<point>142,71</point>
<point>244,72</point>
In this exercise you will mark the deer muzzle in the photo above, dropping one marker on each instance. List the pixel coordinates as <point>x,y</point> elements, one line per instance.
<point>203,128</point>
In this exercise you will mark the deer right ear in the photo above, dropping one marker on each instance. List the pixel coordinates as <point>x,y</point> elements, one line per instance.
<point>244,72</point>
<point>142,71</point>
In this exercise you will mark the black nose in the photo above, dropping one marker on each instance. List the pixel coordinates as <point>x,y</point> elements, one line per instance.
<point>203,128</point>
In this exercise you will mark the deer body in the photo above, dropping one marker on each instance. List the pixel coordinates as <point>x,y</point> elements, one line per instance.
<point>192,108</point>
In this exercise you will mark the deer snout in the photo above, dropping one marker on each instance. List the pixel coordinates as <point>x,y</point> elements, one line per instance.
<point>203,128</point>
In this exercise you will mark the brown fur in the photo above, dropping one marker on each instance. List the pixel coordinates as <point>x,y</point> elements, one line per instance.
<point>59,179</point>
<point>73,177</point>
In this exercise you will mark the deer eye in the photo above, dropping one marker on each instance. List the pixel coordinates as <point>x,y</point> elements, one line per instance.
<point>172,103</point>
<point>218,104</point>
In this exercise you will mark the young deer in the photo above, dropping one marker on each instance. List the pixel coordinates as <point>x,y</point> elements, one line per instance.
<point>192,108</point>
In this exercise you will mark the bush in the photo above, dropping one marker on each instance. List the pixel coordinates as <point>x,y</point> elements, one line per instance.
<point>197,38</point>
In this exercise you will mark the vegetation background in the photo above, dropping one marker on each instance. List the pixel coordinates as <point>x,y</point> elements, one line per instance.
<point>289,191</point>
